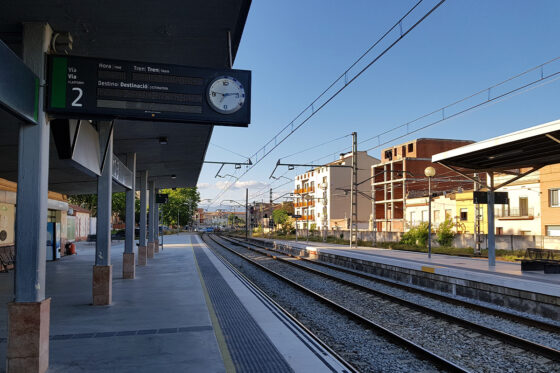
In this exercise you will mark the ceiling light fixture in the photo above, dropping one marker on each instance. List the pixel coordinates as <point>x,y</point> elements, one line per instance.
<point>163,140</point>
<point>173,176</point>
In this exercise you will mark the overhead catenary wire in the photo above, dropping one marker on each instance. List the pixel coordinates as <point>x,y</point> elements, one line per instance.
<point>522,88</point>
<point>311,110</point>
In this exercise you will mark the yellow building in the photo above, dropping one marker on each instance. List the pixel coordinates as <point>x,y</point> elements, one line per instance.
<point>466,216</point>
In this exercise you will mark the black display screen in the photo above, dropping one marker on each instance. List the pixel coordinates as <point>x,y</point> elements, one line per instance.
<point>95,88</point>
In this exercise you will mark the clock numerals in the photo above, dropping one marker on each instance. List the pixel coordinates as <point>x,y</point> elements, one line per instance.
<point>226,95</point>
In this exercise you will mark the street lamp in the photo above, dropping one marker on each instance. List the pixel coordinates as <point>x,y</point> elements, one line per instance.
<point>430,172</point>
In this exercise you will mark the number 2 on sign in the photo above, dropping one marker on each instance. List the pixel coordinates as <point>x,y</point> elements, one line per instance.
<point>77,102</point>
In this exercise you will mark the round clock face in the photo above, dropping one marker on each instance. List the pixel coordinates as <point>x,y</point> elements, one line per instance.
<point>226,95</point>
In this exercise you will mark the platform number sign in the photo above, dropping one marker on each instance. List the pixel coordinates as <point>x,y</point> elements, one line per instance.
<point>94,88</point>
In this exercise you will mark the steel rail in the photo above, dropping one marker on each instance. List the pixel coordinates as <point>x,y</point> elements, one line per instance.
<point>511,339</point>
<point>262,293</point>
<point>478,307</point>
<point>418,350</point>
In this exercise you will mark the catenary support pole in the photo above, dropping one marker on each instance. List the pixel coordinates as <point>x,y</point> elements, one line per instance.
<point>354,193</point>
<point>29,314</point>
<point>142,247</point>
<point>151,218</point>
<point>246,213</point>
<point>491,233</point>
<point>130,203</point>
<point>102,270</point>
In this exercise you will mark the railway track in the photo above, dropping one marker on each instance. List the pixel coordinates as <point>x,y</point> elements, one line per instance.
<point>437,363</point>
<point>476,345</point>
<point>530,322</point>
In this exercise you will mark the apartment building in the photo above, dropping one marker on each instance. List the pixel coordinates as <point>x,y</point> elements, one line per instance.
<point>521,216</point>
<point>550,200</point>
<point>400,175</point>
<point>323,194</point>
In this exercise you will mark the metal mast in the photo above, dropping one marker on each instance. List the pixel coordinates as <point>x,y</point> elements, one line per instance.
<point>354,193</point>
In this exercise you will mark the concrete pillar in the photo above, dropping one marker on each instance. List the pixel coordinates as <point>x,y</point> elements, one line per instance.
<point>151,219</point>
<point>29,314</point>
<point>128,255</point>
<point>102,270</point>
<point>156,225</point>
<point>142,249</point>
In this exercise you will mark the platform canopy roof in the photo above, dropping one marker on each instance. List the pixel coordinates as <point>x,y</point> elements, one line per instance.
<point>184,32</point>
<point>532,147</point>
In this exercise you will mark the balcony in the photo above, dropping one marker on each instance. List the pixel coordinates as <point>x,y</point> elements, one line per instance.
<point>306,217</point>
<point>515,214</point>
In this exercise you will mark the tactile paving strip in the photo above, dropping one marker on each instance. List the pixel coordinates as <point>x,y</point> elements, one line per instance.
<point>251,350</point>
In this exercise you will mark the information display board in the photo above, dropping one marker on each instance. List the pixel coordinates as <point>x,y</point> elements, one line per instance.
<point>96,88</point>
<point>500,198</point>
<point>162,198</point>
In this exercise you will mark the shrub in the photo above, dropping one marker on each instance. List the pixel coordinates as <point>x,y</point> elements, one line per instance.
<point>445,233</point>
<point>417,236</point>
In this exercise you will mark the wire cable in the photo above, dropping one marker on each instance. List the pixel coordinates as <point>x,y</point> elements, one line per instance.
<point>279,138</point>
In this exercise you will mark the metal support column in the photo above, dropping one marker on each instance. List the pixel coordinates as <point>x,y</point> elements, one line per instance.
<point>151,219</point>
<point>29,314</point>
<point>354,193</point>
<point>142,249</point>
<point>491,233</point>
<point>128,255</point>
<point>102,270</point>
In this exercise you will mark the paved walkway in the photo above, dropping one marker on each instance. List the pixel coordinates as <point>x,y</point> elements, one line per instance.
<point>505,273</point>
<point>157,322</point>
<point>185,311</point>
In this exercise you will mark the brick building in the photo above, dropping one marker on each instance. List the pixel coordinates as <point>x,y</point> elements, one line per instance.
<point>400,175</point>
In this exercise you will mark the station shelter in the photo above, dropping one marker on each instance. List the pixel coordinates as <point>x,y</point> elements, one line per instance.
<point>65,153</point>
<point>518,154</point>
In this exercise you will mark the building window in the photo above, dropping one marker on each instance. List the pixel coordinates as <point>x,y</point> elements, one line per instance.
<point>448,214</point>
<point>412,217</point>
<point>410,148</point>
<point>436,216</point>
<point>395,152</point>
<point>553,230</point>
<point>499,230</point>
<point>424,215</point>
<point>464,214</point>
<point>553,195</point>
<point>403,151</point>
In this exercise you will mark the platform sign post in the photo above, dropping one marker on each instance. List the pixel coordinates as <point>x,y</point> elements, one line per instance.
<point>97,88</point>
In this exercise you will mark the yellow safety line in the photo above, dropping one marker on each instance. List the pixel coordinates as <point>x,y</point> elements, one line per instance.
<point>222,345</point>
<point>428,269</point>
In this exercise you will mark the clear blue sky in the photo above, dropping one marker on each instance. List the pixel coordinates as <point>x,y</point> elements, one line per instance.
<point>295,49</point>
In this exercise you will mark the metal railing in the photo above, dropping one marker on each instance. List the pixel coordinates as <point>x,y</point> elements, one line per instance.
<point>514,212</point>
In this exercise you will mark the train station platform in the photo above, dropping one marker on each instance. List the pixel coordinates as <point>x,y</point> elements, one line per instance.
<point>184,312</point>
<point>506,285</point>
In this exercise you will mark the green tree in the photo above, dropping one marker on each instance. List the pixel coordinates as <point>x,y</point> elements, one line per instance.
<point>118,204</point>
<point>445,233</point>
<point>417,236</point>
<point>87,201</point>
<point>180,207</point>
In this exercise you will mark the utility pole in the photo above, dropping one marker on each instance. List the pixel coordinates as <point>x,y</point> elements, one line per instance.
<point>246,213</point>
<point>270,210</point>
<point>373,214</point>
<point>354,193</point>
<point>477,217</point>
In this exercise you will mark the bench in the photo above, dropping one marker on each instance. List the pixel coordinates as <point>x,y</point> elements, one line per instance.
<point>7,258</point>
<point>541,260</point>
